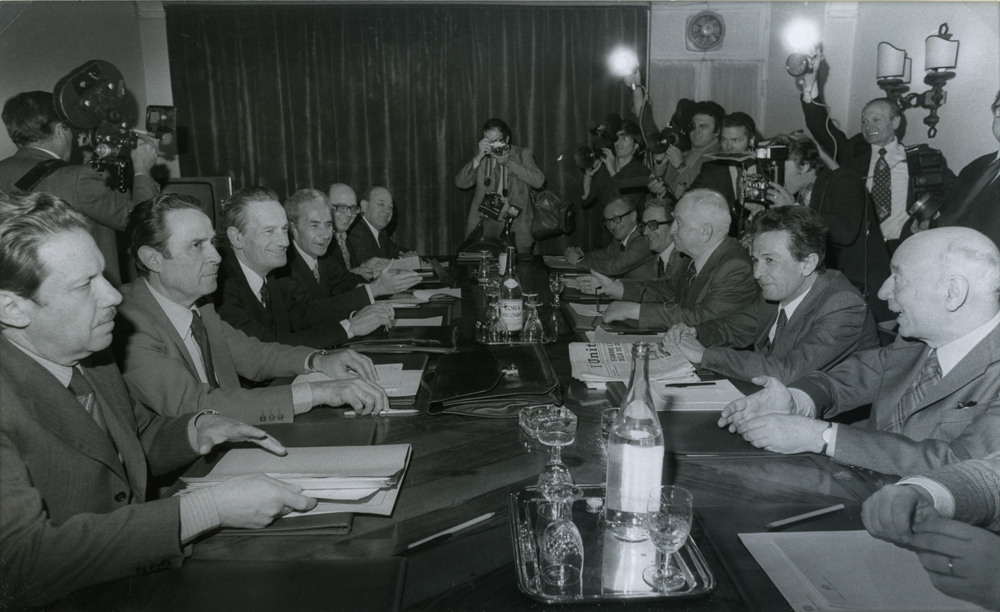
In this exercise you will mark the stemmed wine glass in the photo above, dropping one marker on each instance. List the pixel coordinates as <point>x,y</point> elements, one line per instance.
<point>556,284</point>
<point>532,330</point>
<point>557,428</point>
<point>560,552</point>
<point>668,519</point>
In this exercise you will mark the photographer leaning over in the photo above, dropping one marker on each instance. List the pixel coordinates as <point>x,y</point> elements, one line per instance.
<point>839,197</point>
<point>505,169</point>
<point>44,144</point>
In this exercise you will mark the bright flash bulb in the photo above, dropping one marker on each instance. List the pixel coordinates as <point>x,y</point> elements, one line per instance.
<point>623,62</point>
<point>802,36</point>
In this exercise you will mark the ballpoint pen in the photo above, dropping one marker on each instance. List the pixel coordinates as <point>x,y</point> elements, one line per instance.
<point>447,533</point>
<point>798,518</point>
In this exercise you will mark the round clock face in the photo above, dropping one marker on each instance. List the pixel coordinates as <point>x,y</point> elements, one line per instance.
<point>705,31</point>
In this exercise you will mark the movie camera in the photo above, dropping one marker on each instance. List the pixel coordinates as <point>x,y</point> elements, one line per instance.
<point>585,156</point>
<point>770,165</point>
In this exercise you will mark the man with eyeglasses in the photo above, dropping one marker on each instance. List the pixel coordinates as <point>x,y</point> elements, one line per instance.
<point>656,222</point>
<point>628,253</point>
<point>807,318</point>
<point>717,281</point>
<point>975,202</point>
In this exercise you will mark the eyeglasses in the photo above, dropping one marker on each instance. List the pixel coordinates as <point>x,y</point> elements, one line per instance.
<point>653,225</point>
<point>343,209</point>
<point>616,220</point>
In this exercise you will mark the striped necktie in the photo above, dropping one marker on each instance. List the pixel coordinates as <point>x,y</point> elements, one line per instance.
<point>930,374</point>
<point>80,387</point>
<point>342,241</point>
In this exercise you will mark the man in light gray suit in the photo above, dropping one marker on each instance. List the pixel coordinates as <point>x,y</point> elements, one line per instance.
<point>931,391</point>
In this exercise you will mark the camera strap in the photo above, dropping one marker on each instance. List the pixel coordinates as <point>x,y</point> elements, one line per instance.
<point>41,170</point>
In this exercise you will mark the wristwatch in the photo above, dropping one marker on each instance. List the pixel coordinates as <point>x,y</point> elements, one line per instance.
<point>312,358</point>
<point>827,435</point>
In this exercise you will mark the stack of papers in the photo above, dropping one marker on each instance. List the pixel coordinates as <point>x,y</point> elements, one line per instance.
<point>360,479</point>
<point>396,381</point>
<point>596,363</point>
<point>714,395</point>
<point>557,262</point>
<point>404,263</point>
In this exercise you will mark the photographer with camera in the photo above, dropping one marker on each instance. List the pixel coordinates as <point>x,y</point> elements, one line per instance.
<point>738,137</point>
<point>503,168</point>
<point>44,144</point>
<point>683,166</point>
<point>856,246</point>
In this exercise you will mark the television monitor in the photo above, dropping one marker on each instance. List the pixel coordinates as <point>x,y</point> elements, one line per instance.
<point>209,190</point>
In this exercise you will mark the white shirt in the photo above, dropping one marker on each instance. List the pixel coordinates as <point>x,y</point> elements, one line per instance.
<point>625,240</point>
<point>789,309</point>
<point>665,255</point>
<point>899,183</point>
<point>181,318</point>
<point>372,228</point>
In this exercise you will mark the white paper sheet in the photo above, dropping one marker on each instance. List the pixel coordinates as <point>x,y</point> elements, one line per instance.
<point>426,294</point>
<point>586,310</point>
<point>407,384</point>
<point>428,322</point>
<point>713,396</point>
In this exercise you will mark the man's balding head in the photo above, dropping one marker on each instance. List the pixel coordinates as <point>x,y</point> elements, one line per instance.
<point>344,204</point>
<point>945,283</point>
<point>620,217</point>
<point>376,206</point>
<point>701,221</point>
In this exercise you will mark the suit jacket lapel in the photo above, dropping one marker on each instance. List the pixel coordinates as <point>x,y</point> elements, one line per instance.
<point>700,281</point>
<point>112,396</point>
<point>969,368</point>
<point>225,369</point>
<point>148,303</point>
<point>305,275</point>
<point>795,323</point>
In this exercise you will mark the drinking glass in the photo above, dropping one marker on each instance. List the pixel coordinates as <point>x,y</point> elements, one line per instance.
<point>668,519</point>
<point>556,283</point>
<point>560,552</point>
<point>557,428</point>
<point>532,330</point>
<point>483,273</point>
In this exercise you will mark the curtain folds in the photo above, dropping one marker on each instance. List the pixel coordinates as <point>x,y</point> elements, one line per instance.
<point>305,96</point>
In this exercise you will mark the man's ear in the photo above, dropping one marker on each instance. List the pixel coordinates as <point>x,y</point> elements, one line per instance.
<point>364,206</point>
<point>706,232</point>
<point>151,258</point>
<point>13,310</point>
<point>896,121</point>
<point>956,292</point>
<point>235,238</point>
<point>810,263</point>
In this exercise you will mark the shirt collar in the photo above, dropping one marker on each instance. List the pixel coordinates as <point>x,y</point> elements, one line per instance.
<point>372,229</point>
<point>179,316</point>
<point>255,280</point>
<point>46,151</point>
<point>64,374</point>
<point>625,240</point>
<point>955,351</point>
<point>791,306</point>
<point>894,150</point>
<point>665,255</point>
<point>306,257</point>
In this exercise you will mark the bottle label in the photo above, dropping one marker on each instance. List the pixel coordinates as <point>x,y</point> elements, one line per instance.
<point>503,263</point>
<point>511,312</point>
<point>632,471</point>
<point>510,283</point>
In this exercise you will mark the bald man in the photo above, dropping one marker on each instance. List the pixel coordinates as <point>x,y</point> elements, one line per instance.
<point>931,391</point>
<point>718,280</point>
<point>368,238</point>
<point>627,255</point>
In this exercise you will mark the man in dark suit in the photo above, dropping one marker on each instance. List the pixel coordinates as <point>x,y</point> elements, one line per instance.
<point>807,318</point>
<point>249,296</point>
<point>180,357</point>
<point>368,238</point>
<point>75,447</point>
<point>738,137</point>
<point>657,220</point>
<point>975,201</point>
<point>44,144</point>
<point>931,392</point>
<point>313,274</point>
<point>717,281</point>
<point>627,255</point>
<point>855,247</point>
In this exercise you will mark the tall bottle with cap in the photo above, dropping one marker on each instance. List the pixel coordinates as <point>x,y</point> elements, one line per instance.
<point>507,237</point>
<point>635,454</point>
<point>511,301</point>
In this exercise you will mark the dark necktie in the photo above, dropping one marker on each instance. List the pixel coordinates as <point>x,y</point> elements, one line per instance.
<point>265,296</point>
<point>881,188</point>
<point>659,267</point>
<point>84,393</point>
<point>621,248</point>
<point>342,241</point>
<point>930,374</point>
<point>201,338</point>
<point>782,320</point>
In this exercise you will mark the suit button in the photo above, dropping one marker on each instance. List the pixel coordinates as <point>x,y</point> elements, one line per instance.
<point>120,496</point>
<point>270,418</point>
<point>263,419</point>
<point>281,417</point>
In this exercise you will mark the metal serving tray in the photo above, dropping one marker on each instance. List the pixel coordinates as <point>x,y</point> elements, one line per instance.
<point>612,569</point>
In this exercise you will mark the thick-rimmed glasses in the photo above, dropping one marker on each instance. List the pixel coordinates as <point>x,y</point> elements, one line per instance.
<point>616,220</point>
<point>343,209</point>
<point>652,225</point>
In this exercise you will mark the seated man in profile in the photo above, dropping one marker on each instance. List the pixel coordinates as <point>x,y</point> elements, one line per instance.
<point>368,238</point>
<point>657,220</point>
<point>250,298</point>
<point>951,517</point>
<point>807,318</point>
<point>627,254</point>
<point>76,450</point>
<point>717,281</point>
<point>931,392</point>
<point>182,358</point>
<point>311,274</point>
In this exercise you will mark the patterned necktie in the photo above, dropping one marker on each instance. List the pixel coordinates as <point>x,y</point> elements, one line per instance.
<point>342,241</point>
<point>201,339</point>
<point>265,296</point>
<point>881,188</point>
<point>84,393</point>
<point>782,320</point>
<point>930,374</point>
<point>316,272</point>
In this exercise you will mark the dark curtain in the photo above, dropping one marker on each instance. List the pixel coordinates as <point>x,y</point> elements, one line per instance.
<point>305,96</point>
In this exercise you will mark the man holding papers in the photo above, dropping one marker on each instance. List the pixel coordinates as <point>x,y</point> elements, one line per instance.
<point>717,281</point>
<point>807,318</point>
<point>945,516</point>
<point>181,357</point>
<point>931,391</point>
<point>75,447</point>
<point>627,254</point>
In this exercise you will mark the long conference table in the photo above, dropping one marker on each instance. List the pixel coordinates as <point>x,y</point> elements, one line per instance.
<point>463,467</point>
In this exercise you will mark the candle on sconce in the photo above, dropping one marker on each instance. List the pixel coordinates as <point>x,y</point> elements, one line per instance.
<point>941,52</point>
<point>907,69</point>
<point>891,61</point>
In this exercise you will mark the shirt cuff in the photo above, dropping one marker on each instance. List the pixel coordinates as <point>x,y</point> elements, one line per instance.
<point>804,405</point>
<point>944,501</point>
<point>198,515</point>
<point>302,397</point>
<point>346,324</point>
<point>831,448</point>
<point>371,295</point>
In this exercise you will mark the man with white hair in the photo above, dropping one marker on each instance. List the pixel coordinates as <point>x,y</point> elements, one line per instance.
<point>931,391</point>
<point>719,280</point>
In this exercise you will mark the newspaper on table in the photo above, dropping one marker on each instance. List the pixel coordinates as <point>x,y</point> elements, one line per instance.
<point>595,362</point>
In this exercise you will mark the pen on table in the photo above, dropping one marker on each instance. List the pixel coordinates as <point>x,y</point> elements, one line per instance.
<point>803,517</point>
<point>389,412</point>
<point>695,384</point>
<point>447,533</point>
